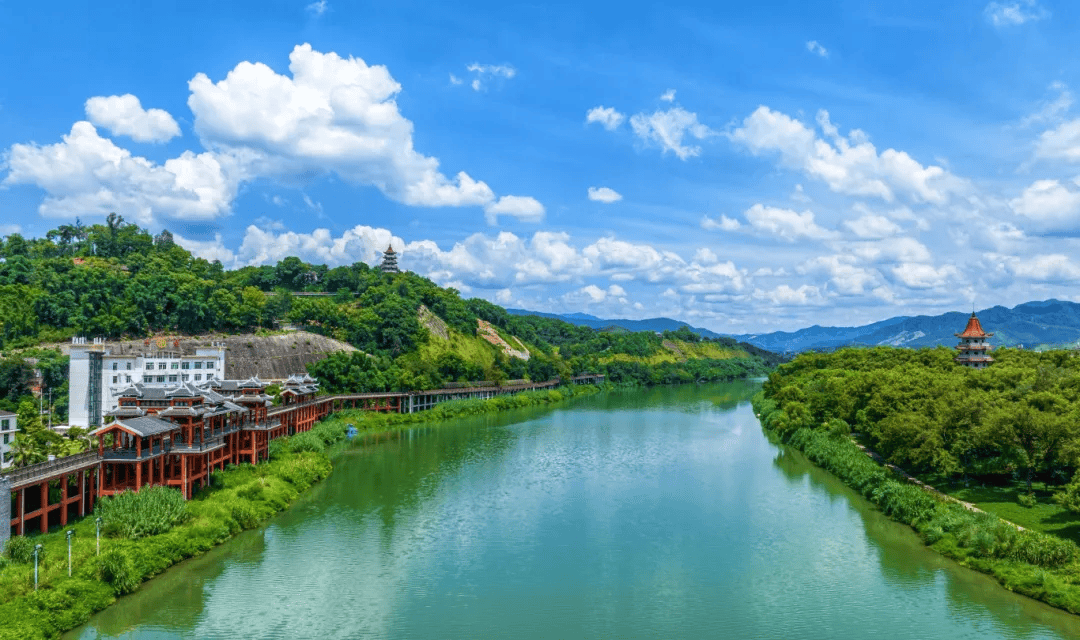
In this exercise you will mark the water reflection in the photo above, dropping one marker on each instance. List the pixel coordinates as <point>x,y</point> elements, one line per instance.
<point>664,513</point>
<point>905,562</point>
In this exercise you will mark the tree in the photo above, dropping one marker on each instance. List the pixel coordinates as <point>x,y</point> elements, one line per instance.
<point>1032,437</point>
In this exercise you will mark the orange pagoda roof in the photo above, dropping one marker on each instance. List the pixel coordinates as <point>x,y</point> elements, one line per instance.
<point>973,329</point>
<point>390,249</point>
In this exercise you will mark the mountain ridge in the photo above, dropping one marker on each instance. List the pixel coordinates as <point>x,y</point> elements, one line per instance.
<point>1034,324</point>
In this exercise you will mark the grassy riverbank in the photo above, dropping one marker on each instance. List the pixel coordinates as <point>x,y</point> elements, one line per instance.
<point>1038,565</point>
<point>241,497</point>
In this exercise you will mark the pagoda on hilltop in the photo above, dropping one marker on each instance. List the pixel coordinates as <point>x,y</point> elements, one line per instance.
<point>973,348</point>
<point>389,261</point>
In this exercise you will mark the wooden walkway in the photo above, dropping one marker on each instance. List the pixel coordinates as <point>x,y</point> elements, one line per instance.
<point>79,476</point>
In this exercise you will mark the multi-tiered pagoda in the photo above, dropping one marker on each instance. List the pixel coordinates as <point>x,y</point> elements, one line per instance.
<point>973,349</point>
<point>389,261</point>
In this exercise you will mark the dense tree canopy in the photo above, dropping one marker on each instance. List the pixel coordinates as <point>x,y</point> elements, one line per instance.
<point>1019,418</point>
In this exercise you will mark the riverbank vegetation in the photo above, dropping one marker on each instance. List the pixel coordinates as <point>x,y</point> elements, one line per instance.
<point>1010,430</point>
<point>143,534</point>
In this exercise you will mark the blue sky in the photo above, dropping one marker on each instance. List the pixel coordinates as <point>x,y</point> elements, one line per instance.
<point>741,167</point>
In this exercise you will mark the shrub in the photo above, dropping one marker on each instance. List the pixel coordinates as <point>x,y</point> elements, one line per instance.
<point>1027,500</point>
<point>149,512</point>
<point>19,549</point>
<point>118,571</point>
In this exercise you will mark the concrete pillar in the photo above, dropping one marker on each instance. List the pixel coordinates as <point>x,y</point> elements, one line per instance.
<point>5,511</point>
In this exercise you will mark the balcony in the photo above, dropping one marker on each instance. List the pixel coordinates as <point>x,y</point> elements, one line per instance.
<point>210,444</point>
<point>131,454</point>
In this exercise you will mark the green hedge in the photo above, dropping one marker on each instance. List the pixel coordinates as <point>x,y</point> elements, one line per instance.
<point>1038,565</point>
<point>245,497</point>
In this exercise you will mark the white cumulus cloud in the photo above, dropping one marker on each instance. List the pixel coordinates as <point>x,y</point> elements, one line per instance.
<point>785,223</point>
<point>524,208</point>
<point>125,116</point>
<point>333,114</point>
<point>86,174</point>
<point>668,129</point>
<point>850,165</point>
<point>608,117</point>
<point>1050,205</point>
<point>604,194</point>
<point>723,224</point>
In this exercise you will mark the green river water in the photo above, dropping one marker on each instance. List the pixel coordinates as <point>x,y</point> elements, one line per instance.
<point>657,514</point>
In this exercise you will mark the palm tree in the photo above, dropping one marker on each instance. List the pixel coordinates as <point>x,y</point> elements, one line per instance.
<point>25,451</point>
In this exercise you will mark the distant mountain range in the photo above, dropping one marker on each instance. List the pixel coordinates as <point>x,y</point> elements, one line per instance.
<point>1049,323</point>
<point>651,324</point>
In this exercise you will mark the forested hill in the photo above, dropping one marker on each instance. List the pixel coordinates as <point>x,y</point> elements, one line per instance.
<point>1049,323</point>
<point>647,324</point>
<point>116,280</point>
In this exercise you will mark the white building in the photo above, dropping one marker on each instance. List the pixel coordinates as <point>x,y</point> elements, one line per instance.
<point>8,427</point>
<point>97,376</point>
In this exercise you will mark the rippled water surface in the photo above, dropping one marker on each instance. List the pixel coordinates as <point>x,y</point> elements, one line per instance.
<point>653,514</point>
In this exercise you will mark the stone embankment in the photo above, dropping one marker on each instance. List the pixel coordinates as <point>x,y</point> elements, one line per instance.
<point>271,357</point>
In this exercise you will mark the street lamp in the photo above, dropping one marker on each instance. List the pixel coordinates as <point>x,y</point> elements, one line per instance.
<point>70,533</point>
<point>98,523</point>
<point>37,551</point>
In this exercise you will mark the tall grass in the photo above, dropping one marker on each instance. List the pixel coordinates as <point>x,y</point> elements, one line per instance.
<point>149,512</point>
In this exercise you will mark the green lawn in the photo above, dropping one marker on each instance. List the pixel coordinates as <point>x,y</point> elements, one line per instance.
<point>1046,516</point>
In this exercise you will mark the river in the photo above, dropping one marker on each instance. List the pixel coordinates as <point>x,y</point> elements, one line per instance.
<point>657,514</point>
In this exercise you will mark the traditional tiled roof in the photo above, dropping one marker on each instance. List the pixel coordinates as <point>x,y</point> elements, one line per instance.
<point>144,426</point>
<point>390,249</point>
<point>126,412</point>
<point>183,390</point>
<point>974,329</point>
<point>178,411</point>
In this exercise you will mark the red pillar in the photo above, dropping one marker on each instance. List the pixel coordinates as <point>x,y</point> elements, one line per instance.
<point>63,500</point>
<point>44,504</point>
<point>183,477</point>
<point>20,508</point>
<point>82,492</point>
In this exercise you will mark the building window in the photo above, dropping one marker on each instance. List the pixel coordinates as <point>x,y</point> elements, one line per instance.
<point>129,366</point>
<point>198,365</point>
<point>4,424</point>
<point>172,378</point>
<point>161,378</point>
<point>185,365</point>
<point>7,438</point>
<point>127,378</point>
<point>161,365</point>
<point>7,457</point>
<point>185,377</point>
<point>114,365</point>
<point>174,365</point>
<point>149,365</point>
<point>209,365</point>
<point>115,379</point>
<point>198,376</point>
